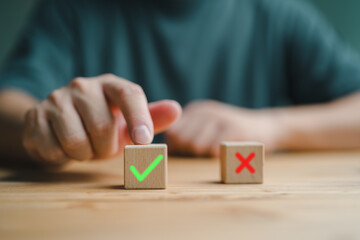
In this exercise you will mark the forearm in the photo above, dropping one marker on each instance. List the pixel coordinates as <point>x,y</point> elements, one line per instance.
<point>13,106</point>
<point>333,125</point>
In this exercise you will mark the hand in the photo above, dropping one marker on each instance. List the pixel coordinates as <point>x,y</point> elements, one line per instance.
<point>205,124</point>
<point>93,118</point>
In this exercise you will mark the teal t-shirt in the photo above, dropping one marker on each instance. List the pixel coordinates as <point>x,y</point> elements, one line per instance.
<point>250,53</point>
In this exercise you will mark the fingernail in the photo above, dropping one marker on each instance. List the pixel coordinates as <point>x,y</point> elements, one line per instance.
<point>141,135</point>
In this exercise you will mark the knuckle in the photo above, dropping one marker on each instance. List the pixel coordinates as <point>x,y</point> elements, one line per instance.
<point>109,76</point>
<point>30,116</point>
<point>48,110</point>
<point>31,130</point>
<point>131,89</point>
<point>73,143</point>
<point>78,83</point>
<point>56,97</point>
<point>102,128</point>
<point>75,148</point>
<point>35,118</point>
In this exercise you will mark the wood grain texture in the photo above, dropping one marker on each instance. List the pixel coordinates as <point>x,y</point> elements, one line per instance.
<point>141,156</point>
<point>229,162</point>
<point>314,195</point>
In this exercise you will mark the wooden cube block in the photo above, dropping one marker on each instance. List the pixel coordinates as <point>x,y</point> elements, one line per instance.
<point>242,162</point>
<point>145,166</point>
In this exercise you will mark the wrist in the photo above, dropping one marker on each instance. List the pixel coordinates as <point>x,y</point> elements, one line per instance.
<point>278,132</point>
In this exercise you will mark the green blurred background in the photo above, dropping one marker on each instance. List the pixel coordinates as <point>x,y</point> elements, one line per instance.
<point>343,14</point>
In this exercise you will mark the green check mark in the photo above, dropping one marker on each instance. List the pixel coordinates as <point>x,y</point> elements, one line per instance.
<point>141,177</point>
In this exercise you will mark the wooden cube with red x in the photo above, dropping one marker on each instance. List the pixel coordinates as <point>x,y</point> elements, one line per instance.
<point>242,162</point>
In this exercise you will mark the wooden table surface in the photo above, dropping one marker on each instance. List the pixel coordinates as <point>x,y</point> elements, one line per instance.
<point>305,196</point>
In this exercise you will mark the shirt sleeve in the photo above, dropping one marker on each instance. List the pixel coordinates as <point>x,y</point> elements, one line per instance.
<point>43,58</point>
<point>321,66</point>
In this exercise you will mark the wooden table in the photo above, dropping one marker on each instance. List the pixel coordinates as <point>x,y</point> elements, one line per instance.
<point>305,196</point>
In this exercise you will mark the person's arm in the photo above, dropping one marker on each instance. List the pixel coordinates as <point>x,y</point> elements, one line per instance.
<point>75,118</point>
<point>41,62</point>
<point>333,125</point>
<point>324,71</point>
<point>13,106</point>
<point>90,118</point>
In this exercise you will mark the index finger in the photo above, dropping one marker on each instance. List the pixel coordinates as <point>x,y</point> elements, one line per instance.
<point>131,99</point>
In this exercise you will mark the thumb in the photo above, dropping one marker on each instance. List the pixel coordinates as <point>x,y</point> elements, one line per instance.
<point>164,113</point>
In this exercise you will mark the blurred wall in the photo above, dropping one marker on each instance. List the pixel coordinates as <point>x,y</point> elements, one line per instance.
<point>14,14</point>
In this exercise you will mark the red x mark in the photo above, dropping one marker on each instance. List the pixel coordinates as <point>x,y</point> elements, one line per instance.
<point>245,162</point>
